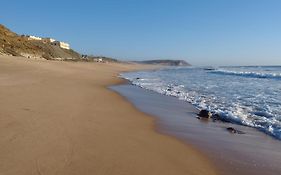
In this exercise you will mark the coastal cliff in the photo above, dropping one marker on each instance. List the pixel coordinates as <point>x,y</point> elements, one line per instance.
<point>19,45</point>
<point>13,44</point>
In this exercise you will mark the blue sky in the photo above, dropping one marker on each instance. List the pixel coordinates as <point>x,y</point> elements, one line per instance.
<point>203,32</point>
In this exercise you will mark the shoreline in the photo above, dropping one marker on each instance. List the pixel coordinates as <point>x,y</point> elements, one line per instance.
<point>60,118</point>
<point>231,153</point>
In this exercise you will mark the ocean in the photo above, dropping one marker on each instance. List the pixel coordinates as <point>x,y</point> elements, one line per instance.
<point>245,95</point>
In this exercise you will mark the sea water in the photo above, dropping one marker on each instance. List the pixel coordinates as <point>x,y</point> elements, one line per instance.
<point>248,95</point>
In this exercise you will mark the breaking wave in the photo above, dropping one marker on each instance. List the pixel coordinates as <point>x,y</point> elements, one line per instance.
<point>255,103</point>
<point>248,74</point>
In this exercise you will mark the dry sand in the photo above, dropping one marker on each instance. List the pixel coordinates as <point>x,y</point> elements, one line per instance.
<point>60,118</point>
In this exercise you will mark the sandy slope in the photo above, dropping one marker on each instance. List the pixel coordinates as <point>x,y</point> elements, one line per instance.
<point>59,118</point>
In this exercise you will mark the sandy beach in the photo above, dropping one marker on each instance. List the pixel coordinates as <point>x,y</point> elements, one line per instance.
<point>252,152</point>
<point>60,118</point>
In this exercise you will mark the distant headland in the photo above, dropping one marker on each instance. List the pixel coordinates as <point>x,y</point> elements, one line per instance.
<point>166,62</point>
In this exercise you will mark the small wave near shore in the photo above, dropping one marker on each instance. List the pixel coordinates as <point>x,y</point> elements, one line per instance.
<point>249,96</point>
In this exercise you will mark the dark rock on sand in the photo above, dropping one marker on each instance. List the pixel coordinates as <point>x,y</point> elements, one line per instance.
<point>204,114</point>
<point>234,131</point>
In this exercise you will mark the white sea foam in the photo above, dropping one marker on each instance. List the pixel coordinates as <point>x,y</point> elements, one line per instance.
<point>249,96</point>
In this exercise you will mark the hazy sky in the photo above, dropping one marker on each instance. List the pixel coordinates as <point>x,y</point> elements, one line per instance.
<point>203,32</point>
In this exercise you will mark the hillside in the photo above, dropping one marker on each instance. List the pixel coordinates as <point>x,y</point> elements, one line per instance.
<point>19,45</point>
<point>16,45</point>
<point>167,62</point>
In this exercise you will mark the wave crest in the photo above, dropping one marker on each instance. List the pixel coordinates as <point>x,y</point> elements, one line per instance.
<point>248,74</point>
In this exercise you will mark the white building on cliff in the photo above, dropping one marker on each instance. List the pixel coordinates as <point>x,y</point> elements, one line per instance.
<point>61,44</point>
<point>51,41</point>
<point>48,40</point>
<point>30,37</point>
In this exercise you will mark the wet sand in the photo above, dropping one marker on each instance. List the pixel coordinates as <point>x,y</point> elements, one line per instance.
<point>60,118</point>
<point>251,153</point>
